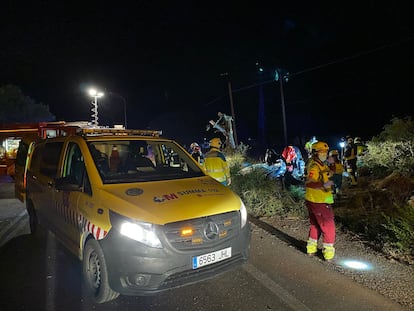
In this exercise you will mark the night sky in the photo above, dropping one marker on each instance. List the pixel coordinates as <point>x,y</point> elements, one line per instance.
<point>350,65</point>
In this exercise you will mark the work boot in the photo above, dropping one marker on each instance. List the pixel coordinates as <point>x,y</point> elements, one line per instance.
<point>311,247</point>
<point>328,252</point>
<point>354,182</point>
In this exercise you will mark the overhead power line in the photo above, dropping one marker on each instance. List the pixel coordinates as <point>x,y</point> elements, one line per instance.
<point>345,59</point>
<point>314,68</point>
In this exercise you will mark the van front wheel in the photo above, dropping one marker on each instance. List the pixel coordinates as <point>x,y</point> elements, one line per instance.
<point>33,221</point>
<point>95,273</point>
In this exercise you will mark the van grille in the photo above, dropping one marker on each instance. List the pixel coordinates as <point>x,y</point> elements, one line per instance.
<point>206,231</point>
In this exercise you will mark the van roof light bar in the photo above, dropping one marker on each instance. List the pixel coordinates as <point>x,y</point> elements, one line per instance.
<point>117,132</point>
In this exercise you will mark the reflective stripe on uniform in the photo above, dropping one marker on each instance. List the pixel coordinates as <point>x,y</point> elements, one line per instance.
<point>214,171</point>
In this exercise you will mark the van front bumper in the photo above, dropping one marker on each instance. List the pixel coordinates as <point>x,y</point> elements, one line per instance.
<point>136,269</point>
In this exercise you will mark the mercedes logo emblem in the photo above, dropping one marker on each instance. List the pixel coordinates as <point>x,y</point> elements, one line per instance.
<point>211,230</point>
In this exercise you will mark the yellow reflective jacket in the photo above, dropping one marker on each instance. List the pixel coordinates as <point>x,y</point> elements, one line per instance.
<point>350,152</point>
<point>216,166</point>
<point>317,175</point>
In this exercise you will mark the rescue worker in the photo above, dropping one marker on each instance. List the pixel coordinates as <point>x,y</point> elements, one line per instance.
<point>196,152</point>
<point>114,159</point>
<point>337,169</point>
<point>350,156</point>
<point>215,163</point>
<point>136,158</point>
<point>361,150</point>
<point>360,145</point>
<point>308,146</point>
<point>319,200</point>
<point>271,156</point>
<point>289,154</point>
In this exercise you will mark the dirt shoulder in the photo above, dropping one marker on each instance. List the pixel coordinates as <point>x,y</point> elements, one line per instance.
<point>391,278</point>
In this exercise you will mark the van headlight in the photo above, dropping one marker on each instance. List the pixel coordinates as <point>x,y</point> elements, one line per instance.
<point>141,232</point>
<point>243,214</point>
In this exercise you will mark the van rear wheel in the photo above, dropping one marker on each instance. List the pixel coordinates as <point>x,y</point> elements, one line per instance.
<point>95,273</point>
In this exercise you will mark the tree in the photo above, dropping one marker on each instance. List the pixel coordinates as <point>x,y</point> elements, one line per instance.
<point>16,107</point>
<point>399,129</point>
<point>392,150</point>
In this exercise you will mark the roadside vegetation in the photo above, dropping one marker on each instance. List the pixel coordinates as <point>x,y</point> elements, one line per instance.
<point>15,106</point>
<point>380,210</point>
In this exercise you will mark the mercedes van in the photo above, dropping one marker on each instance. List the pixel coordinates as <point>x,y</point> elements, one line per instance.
<point>136,209</point>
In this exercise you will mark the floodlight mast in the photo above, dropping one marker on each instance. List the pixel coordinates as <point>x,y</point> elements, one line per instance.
<point>95,95</point>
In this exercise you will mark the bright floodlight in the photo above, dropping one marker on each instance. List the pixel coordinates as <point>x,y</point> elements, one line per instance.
<point>95,93</point>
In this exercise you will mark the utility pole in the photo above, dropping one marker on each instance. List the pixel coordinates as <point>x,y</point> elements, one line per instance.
<point>261,122</point>
<point>226,74</point>
<point>282,100</point>
<point>281,75</point>
<point>232,112</point>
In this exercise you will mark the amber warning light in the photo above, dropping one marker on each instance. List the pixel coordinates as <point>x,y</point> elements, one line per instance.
<point>186,232</point>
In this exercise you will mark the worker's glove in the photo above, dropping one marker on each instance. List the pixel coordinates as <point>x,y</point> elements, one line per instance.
<point>328,184</point>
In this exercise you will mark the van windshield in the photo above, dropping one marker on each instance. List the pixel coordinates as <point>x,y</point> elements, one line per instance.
<point>127,161</point>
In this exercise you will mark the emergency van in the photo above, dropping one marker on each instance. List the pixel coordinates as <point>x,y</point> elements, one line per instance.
<point>28,134</point>
<point>136,209</point>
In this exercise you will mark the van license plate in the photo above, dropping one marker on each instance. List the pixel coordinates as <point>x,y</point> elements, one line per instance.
<point>210,258</point>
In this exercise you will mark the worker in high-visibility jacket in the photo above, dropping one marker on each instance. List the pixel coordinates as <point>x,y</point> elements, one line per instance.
<point>215,163</point>
<point>350,156</point>
<point>318,200</point>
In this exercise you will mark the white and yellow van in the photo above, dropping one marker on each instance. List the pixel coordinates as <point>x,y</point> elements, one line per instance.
<point>137,210</point>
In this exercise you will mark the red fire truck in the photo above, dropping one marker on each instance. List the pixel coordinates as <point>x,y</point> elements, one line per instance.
<point>12,134</point>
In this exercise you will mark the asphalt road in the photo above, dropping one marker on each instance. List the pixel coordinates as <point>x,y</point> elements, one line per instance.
<point>42,275</point>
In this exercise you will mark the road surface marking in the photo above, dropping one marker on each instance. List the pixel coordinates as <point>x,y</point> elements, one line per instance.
<point>9,231</point>
<point>275,288</point>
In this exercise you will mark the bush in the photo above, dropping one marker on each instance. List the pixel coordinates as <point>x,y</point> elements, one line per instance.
<point>264,196</point>
<point>398,233</point>
<point>392,150</point>
<point>383,216</point>
<point>383,158</point>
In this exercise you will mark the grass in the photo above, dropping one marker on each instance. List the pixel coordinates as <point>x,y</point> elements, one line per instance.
<point>380,210</point>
